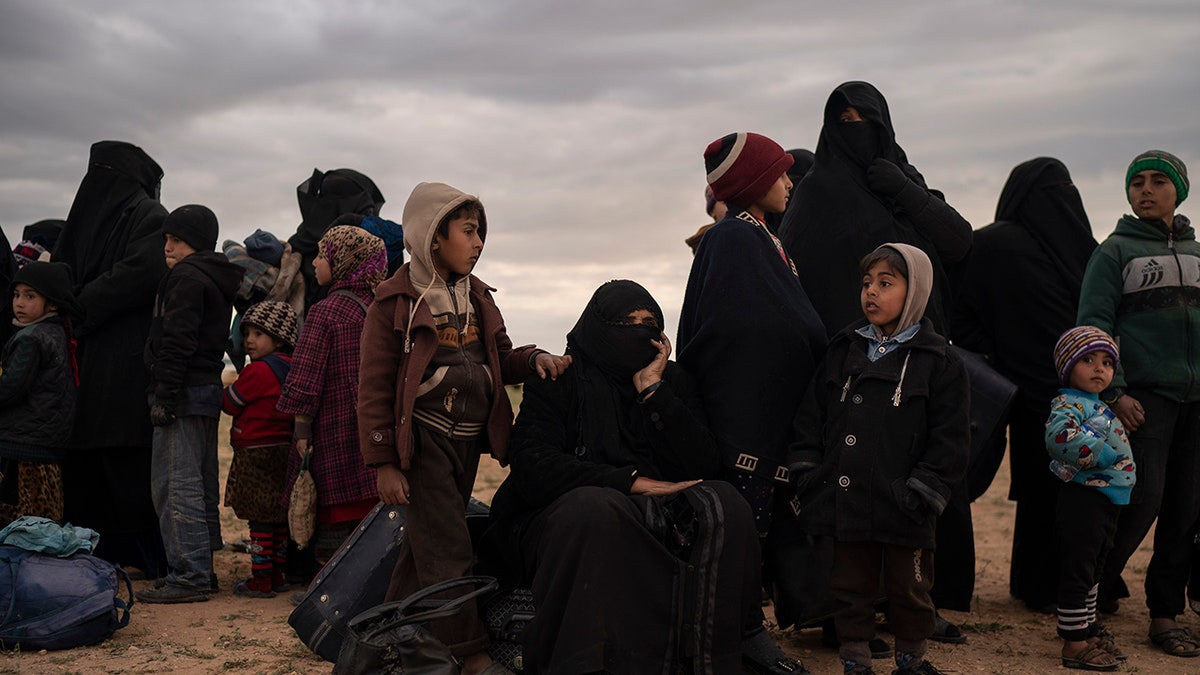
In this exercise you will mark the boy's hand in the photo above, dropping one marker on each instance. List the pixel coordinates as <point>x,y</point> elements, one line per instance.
<point>550,365</point>
<point>161,415</point>
<point>1130,411</point>
<point>392,485</point>
<point>653,372</point>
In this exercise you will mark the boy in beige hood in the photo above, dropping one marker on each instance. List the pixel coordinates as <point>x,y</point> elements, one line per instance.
<point>435,359</point>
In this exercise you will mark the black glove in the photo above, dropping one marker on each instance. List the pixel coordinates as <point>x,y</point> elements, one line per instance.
<point>886,178</point>
<point>161,415</point>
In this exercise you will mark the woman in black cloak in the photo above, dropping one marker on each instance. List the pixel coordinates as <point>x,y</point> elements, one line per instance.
<point>862,192</point>
<point>636,565</point>
<point>8,269</point>
<point>1017,293</point>
<point>323,197</point>
<point>113,242</point>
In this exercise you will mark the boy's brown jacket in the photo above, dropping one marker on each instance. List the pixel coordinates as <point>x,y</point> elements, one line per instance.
<point>389,377</point>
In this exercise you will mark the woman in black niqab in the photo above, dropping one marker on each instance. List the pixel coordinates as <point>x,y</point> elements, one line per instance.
<point>1019,291</point>
<point>323,197</point>
<point>114,244</point>
<point>862,192</point>
<point>604,517</point>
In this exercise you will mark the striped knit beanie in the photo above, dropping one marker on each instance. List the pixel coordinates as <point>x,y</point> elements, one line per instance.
<point>277,319</point>
<point>1077,343</point>
<point>742,167</point>
<point>1161,160</point>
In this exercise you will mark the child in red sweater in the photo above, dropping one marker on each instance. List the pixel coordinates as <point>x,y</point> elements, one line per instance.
<point>260,437</point>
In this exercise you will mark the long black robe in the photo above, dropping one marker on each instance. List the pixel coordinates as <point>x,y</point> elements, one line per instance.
<point>1017,293</point>
<point>834,218</point>
<point>8,269</point>
<point>113,242</point>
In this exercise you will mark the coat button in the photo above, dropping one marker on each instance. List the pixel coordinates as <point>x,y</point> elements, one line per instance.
<point>850,439</point>
<point>654,417</point>
<point>857,398</point>
<point>844,481</point>
<point>377,437</point>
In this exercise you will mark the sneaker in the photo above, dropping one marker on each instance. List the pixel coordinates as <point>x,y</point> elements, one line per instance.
<point>922,668</point>
<point>169,594</point>
<point>760,654</point>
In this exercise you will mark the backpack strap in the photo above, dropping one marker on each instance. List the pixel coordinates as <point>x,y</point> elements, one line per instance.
<point>353,296</point>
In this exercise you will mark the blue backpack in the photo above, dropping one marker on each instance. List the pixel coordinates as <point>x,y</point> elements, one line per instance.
<point>48,602</point>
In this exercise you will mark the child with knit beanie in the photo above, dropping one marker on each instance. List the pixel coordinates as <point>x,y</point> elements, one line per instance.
<point>1141,286</point>
<point>1090,452</point>
<point>321,389</point>
<point>38,378</point>
<point>185,356</point>
<point>261,437</point>
<point>432,399</point>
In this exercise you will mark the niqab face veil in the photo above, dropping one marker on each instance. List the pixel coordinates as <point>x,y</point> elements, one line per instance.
<point>606,344</point>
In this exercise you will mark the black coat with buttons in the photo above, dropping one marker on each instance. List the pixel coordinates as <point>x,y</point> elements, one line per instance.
<point>880,445</point>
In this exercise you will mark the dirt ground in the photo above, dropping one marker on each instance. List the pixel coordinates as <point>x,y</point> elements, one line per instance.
<point>230,634</point>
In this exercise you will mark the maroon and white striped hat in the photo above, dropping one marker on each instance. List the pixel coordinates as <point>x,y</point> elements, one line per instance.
<point>742,167</point>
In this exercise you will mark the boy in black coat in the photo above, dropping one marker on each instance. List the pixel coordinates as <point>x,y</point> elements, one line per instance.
<point>882,440</point>
<point>185,356</point>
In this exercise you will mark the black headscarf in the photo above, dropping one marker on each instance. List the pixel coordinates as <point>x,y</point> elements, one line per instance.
<point>44,232</point>
<point>834,217</point>
<point>1041,197</point>
<point>606,355</point>
<point>119,177</point>
<point>323,197</point>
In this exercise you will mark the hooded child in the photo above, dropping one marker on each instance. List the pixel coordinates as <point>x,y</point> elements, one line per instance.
<point>881,441</point>
<point>261,438</point>
<point>1142,286</point>
<point>185,357</point>
<point>321,389</point>
<point>38,378</point>
<point>432,399</point>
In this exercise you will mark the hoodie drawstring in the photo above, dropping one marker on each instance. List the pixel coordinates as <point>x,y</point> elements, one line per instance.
<point>900,384</point>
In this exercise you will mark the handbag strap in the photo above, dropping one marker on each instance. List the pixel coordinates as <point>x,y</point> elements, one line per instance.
<point>416,607</point>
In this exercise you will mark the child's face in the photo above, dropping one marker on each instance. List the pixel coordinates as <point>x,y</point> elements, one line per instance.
<point>258,344</point>
<point>457,253</point>
<point>322,269</point>
<point>29,305</point>
<point>883,294</point>
<point>176,249</point>
<point>776,198</point>
<point>1092,373</point>
<point>1152,196</point>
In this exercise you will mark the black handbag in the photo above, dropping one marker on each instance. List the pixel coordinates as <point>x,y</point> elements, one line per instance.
<point>992,396</point>
<point>395,637</point>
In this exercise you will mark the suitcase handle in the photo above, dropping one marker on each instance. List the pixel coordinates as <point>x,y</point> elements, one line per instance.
<point>420,607</point>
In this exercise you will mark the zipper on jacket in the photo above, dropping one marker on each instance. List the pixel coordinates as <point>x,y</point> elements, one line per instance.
<point>462,352</point>
<point>846,388</point>
<point>1187,319</point>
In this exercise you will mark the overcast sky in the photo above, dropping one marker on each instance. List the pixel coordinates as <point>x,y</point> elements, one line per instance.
<point>580,125</point>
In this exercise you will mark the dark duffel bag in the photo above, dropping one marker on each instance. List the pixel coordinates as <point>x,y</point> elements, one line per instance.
<point>992,396</point>
<point>355,578</point>
<point>395,636</point>
<point>50,602</point>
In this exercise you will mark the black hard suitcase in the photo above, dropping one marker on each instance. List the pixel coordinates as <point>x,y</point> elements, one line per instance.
<point>354,580</point>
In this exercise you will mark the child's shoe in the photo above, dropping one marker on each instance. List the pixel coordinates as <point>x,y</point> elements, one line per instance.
<point>279,582</point>
<point>852,667</point>
<point>254,587</point>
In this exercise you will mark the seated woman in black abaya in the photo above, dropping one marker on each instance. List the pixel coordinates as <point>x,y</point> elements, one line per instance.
<point>635,563</point>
